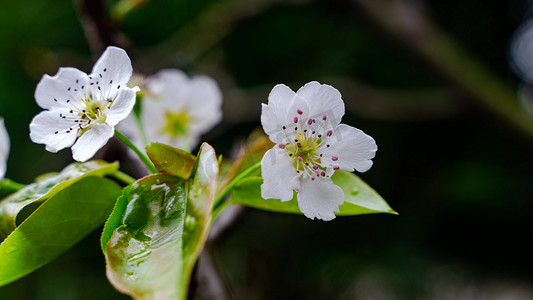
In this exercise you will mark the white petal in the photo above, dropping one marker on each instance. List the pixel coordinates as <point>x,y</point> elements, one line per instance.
<point>323,99</point>
<point>279,175</point>
<point>4,148</point>
<point>272,125</point>
<point>320,198</point>
<point>111,72</point>
<point>353,148</point>
<point>204,103</point>
<point>520,51</point>
<point>275,114</point>
<point>282,112</point>
<point>129,128</point>
<point>64,90</point>
<point>167,83</point>
<point>171,91</point>
<point>91,141</point>
<point>121,107</point>
<point>153,118</point>
<point>44,126</point>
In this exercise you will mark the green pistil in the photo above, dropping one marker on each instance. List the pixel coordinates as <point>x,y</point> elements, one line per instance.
<point>94,108</point>
<point>305,148</point>
<point>176,124</point>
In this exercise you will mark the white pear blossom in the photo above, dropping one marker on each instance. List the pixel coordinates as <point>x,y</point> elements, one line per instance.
<point>82,110</point>
<point>310,145</point>
<point>4,148</point>
<point>177,109</point>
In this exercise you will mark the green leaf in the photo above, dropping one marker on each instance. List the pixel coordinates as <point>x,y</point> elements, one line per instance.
<point>115,219</point>
<point>248,155</point>
<point>143,255</point>
<point>8,187</point>
<point>158,229</point>
<point>199,207</point>
<point>58,224</point>
<point>47,186</point>
<point>359,198</point>
<point>171,160</point>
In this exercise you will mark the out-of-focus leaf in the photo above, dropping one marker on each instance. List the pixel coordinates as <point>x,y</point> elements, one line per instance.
<point>46,187</point>
<point>359,198</point>
<point>248,155</point>
<point>158,229</point>
<point>58,224</point>
<point>171,160</point>
<point>123,7</point>
<point>199,207</point>
<point>8,187</point>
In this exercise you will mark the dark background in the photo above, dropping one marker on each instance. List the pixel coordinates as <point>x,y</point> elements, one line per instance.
<point>458,171</point>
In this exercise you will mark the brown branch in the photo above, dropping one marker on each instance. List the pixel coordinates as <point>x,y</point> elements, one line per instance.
<point>406,22</point>
<point>100,30</point>
<point>202,35</point>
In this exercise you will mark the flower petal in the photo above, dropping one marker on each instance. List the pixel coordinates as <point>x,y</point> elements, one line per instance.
<point>111,72</point>
<point>320,198</point>
<point>352,148</point>
<point>173,92</point>
<point>121,107</point>
<point>154,119</point>
<point>91,141</point>
<point>282,112</point>
<point>323,99</point>
<point>275,114</point>
<point>4,148</point>
<point>167,84</point>
<point>204,104</point>
<point>44,126</point>
<point>64,90</point>
<point>279,175</point>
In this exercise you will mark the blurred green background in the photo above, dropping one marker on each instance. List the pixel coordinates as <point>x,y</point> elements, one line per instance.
<point>455,147</point>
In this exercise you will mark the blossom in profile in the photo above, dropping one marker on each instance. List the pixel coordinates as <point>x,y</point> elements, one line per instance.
<point>4,148</point>
<point>311,145</point>
<point>81,111</point>
<point>177,110</point>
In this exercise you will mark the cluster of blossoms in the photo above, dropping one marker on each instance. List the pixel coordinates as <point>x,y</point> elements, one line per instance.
<point>81,111</point>
<point>4,148</point>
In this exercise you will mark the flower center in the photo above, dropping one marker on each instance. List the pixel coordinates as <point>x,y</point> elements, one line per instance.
<point>93,110</point>
<point>305,145</point>
<point>176,123</point>
<point>304,150</point>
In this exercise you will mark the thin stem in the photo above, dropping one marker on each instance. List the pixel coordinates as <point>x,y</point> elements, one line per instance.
<point>218,209</point>
<point>138,120</point>
<point>234,182</point>
<point>141,155</point>
<point>100,30</point>
<point>125,178</point>
<point>141,129</point>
